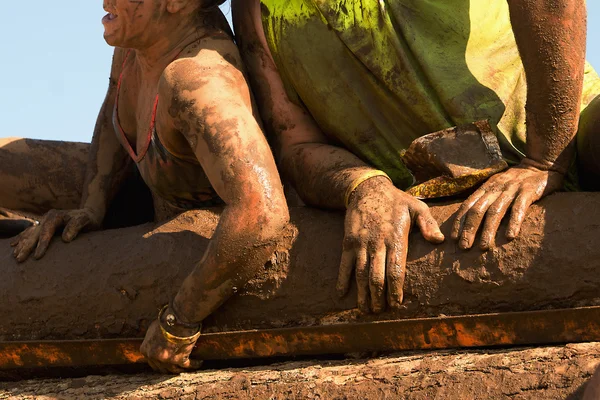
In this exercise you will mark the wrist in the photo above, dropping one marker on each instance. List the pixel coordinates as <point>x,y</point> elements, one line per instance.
<point>96,214</point>
<point>370,186</point>
<point>174,325</point>
<point>544,166</point>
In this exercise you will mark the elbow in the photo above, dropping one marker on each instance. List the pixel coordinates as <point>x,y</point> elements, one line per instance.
<point>261,221</point>
<point>272,221</point>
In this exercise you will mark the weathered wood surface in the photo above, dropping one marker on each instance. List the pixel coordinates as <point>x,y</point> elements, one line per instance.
<point>112,283</point>
<point>517,374</point>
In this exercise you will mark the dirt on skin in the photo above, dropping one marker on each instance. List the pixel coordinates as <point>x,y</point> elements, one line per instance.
<point>112,283</point>
<point>517,374</point>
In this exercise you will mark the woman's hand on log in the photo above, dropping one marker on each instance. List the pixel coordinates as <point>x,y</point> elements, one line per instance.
<point>38,237</point>
<point>378,222</point>
<point>166,357</point>
<point>519,187</point>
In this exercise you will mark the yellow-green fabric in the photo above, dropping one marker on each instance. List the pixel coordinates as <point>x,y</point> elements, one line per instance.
<point>376,74</point>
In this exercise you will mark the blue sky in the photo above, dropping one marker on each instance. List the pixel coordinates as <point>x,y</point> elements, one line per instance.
<point>56,65</point>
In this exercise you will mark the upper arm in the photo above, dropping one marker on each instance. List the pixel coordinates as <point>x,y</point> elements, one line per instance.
<point>107,156</point>
<point>210,104</point>
<point>287,122</point>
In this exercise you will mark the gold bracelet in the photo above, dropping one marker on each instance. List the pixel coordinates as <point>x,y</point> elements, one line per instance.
<point>361,179</point>
<point>176,339</point>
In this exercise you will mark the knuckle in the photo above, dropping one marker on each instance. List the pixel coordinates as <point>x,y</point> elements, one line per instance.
<point>350,242</point>
<point>51,215</point>
<point>468,229</point>
<point>494,211</point>
<point>362,275</point>
<point>464,208</point>
<point>478,210</point>
<point>395,276</point>
<point>377,285</point>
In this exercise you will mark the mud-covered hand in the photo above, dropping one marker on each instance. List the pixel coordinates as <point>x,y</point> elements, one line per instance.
<point>38,237</point>
<point>519,187</point>
<point>167,357</point>
<point>378,222</point>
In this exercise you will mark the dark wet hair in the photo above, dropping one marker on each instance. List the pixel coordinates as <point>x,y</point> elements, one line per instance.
<point>211,3</point>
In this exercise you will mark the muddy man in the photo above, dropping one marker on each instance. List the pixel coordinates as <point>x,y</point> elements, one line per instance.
<point>345,86</point>
<point>179,107</point>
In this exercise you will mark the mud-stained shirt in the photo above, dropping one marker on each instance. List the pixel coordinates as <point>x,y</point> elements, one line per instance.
<point>376,74</point>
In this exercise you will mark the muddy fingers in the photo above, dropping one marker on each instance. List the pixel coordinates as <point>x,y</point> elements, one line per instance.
<point>39,237</point>
<point>378,222</point>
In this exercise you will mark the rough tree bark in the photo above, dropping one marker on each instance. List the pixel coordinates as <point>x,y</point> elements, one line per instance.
<point>112,283</point>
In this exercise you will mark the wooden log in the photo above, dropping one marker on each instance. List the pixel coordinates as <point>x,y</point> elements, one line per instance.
<point>523,374</point>
<point>112,283</point>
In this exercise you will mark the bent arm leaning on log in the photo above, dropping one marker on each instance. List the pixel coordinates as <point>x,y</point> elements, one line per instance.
<point>551,38</point>
<point>210,105</point>
<point>104,171</point>
<point>379,216</point>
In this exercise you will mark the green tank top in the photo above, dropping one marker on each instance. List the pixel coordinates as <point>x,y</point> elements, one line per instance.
<point>375,75</point>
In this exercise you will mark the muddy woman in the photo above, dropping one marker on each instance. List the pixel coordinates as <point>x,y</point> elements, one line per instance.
<point>179,108</point>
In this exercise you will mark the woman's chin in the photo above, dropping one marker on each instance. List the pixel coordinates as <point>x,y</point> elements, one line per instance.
<point>111,39</point>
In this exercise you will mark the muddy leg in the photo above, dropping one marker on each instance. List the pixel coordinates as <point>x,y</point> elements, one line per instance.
<point>39,175</point>
<point>588,146</point>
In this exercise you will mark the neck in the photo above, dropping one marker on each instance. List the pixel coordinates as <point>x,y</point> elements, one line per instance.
<point>156,57</point>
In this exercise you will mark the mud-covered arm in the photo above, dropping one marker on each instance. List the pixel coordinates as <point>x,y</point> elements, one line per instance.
<point>551,36</point>
<point>211,106</point>
<point>378,217</point>
<point>320,172</point>
<point>105,168</point>
<point>108,159</point>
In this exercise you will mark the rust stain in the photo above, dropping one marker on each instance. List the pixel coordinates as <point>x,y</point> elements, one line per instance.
<point>51,354</point>
<point>534,327</point>
<point>131,353</point>
<point>11,358</point>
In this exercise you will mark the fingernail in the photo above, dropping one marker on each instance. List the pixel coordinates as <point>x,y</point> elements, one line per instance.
<point>464,243</point>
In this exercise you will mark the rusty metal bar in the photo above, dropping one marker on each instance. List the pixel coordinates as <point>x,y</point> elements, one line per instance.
<point>484,330</point>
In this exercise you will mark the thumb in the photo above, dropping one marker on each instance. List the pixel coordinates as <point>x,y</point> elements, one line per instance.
<point>192,364</point>
<point>429,227</point>
<point>74,226</point>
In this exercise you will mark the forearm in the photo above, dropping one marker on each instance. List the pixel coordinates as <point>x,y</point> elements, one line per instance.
<point>236,252</point>
<point>551,37</point>
<point>322,173</point>
<point>106,165</point>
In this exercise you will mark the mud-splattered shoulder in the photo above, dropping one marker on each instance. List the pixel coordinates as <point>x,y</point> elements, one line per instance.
<point>210,68</point>
<point>223,44</point>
